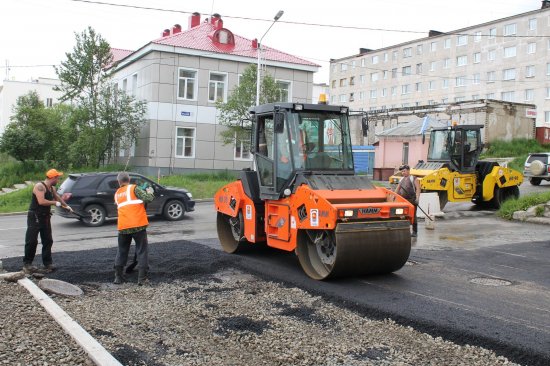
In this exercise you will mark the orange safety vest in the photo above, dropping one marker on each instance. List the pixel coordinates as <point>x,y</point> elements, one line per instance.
<point>131,210</point>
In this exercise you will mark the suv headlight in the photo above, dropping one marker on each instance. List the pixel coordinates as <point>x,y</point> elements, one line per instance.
<point>189,194</point>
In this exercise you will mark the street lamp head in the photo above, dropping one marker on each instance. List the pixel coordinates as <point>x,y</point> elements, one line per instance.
<point>279,15</point>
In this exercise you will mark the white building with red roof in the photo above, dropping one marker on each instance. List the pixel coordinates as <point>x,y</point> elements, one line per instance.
<point>181,75</point>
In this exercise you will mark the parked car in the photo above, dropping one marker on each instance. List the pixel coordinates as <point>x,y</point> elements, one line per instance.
<point>91,196</point>
<point>537,168</point>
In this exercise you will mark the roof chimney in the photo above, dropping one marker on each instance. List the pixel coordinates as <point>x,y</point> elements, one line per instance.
<point>176,28</point>
<point>166,32</point>
<point>364,50</point>
<point>214,18</point>
<point>545,4</point>
<point>433,33</point>
<point>194,20</point>
<point>255,43</point>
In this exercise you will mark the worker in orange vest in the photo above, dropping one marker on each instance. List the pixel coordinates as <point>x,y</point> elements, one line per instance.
<point>132,223</point>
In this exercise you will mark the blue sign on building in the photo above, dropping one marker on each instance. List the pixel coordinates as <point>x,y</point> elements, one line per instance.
<point>185,114</point>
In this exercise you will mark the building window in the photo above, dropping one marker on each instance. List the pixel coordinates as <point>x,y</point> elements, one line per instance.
<point>374,60</point>
<point>533,24</point>
<point>476,78</point>
<point>530,71</point>
<point>333,84</point>
<point>125,85</point>
<point>352,80</point>
<point>548,69</point>
<point>460,99</point>
<point>509,52</point>
<point>433,46</point>
<point>353,64</point>
<point>507,96</point>
<point>394,56</point>
<point>445,84</point>
<point>547,93</point>
<point>374,76</point>
<point>477,36</point>
<point>383,94</point>
<point>406,70</point>
<point>547,116</point>
<point>509,74</point>
<point>217,87</point>
<point>363,62</point>
<point>446,63</point>
<point>531,47</point>
<point>461,40</point>
<point>49,102</point>
<point>285,88</point>
<point>405,89</point>
<point>447,43</point>
<point>460,81</point>
<point>491,76</point>
<point>492,33</point>
<point>393,90</point>
<point>385,57</point>
<point>405,157</point>
<point>187,84</point>
<point>343,98</point>
<point>477,57</point>
<point>418,69</point>
<point>475,97</point>
<point>373,94</point>
<point>510,29</point>
<point>343,67</point>
<point>361,95</point>
<point>343,82</point>
<point>431,85</point>
<point>433,65</point>
<point>362,79</point>
<point>351,97</point>
<point>529,95</point>
<point>461,60</point>
<point>185,142</point>
<point>407,52</point>
<point>492,55</point>
<point>385,74</point>
<point>333,99</point>
<point>418,87</point>
<point>334,67</point>
<point>419,49</point>
<point>490,95</point>
<point>242,149</point>
<point>134,84</point>
<point>393,73</point>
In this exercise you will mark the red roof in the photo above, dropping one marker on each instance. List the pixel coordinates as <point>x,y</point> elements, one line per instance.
<point>119,54</point>
<point>200,38</point>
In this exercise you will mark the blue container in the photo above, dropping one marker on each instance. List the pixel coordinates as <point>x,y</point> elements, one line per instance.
<point>363,159</point>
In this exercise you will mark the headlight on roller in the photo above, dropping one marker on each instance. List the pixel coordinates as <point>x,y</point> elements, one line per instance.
<point>399,211</point>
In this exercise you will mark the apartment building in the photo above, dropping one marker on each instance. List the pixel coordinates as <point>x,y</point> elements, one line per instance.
<point>506,59</point>
<point>182,75</point>
<point>11,90</point>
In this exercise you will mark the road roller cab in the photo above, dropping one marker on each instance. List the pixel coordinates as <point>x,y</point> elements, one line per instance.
<point>303,196</point>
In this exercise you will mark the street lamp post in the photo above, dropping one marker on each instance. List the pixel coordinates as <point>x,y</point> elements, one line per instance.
<point>258,73</point>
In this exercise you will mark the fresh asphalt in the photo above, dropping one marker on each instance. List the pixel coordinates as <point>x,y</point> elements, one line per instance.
<point>474,279</point>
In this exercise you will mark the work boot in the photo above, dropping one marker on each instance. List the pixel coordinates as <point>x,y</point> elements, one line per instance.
<point>49,268</point>
<point>142,277</point>
<point>413,235</point>
<point>28,268</point>
<point>119,278</point>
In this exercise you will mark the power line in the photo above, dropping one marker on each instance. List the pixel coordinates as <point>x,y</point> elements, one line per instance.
<point>350,27</point>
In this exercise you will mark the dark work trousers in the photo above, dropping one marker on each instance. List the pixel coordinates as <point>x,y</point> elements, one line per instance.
<point>38,224</point>
<point>142,249</point>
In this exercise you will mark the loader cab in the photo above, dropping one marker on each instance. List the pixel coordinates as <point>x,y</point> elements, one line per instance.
<point>291,139</point>
<point>459,146</point>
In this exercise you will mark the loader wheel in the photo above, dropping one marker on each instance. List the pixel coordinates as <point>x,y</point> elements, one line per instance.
<point>230,231</point>
<point>354,249</point>
<point>498,197</point>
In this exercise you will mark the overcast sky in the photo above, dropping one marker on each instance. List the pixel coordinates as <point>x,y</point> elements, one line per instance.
<point>40,32</point>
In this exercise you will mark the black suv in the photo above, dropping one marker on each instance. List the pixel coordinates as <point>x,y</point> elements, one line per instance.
<point>91,196</point>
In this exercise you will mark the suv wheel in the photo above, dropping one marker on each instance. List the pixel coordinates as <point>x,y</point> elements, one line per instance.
<point>174,210</point>
<point>97,215</point>
<point>537,167</point>
<point>535,181</point>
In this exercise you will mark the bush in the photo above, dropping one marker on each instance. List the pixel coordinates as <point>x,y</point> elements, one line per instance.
<point>522,204</point>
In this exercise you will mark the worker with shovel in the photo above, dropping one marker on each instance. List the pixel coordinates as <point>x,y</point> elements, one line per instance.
<point>132,224</point>
<point>39,215</point>
<point>409,188</point>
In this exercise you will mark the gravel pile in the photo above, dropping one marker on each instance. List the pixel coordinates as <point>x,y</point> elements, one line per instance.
<point>29,336</point>
<point>223,318</point>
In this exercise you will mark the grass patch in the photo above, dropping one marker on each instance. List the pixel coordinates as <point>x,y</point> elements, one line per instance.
<point>517,148</point>
<point>521,204</point>
<point>200,185</point>
<point>17,201</point>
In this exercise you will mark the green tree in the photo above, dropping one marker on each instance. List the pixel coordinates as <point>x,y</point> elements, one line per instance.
<point>241,99</point>
<point>30,132</point>
<point>106,120</point>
